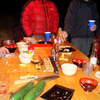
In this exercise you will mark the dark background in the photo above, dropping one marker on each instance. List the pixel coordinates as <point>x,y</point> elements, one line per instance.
<point>15,7</point>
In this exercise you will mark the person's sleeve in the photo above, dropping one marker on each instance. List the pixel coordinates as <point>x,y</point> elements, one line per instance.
<point>56,19</point>
<point>25,20</point>
<point>70,18</point>
<point>97,21</point>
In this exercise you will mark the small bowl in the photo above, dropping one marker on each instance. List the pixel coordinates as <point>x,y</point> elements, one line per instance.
<point>88,84</point>
<point>11,48</point>
<point>79,62</point>
<point>25,58</point>
<point>7,42</point>
<point>69,69</point>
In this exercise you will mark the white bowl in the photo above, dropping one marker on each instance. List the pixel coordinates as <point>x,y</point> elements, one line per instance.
<point>69,69</point>
<point>25,58</point>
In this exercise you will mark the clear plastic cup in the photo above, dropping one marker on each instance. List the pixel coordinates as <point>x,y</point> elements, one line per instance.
<point>87,68</point>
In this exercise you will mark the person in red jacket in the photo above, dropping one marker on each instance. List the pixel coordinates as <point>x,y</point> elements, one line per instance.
<point>38,17</point>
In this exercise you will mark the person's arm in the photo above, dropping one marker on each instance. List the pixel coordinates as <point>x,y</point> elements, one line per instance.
<point>25,19</point>
<point>70,19</point>
<point>56,19</point>
<point>3,50</point>
<point>96,27</point>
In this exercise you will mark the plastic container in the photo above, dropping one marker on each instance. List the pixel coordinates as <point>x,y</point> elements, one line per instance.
<point>31,50</point>
<point>25,58</point>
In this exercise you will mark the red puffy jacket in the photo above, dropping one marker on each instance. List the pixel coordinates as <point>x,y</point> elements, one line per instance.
<point>39,16</point>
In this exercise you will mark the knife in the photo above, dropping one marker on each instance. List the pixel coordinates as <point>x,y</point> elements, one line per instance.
<point>46,77</point>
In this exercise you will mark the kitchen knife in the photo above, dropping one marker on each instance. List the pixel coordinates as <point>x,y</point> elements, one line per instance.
<point>46,77</point>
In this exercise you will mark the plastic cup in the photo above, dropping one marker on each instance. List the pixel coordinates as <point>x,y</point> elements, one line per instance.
<point>87,68</point>
<point>47,36</point>
<point>23,48</point>
<point>91,22</point>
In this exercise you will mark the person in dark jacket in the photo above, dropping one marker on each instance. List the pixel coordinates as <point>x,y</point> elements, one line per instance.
<point>76,24</point>
<point>38,17</point>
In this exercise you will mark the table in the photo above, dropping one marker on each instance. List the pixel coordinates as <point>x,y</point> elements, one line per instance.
<point>9,68</point>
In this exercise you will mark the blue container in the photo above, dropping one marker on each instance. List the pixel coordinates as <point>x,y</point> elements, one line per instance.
<point>47,36</point>
<point>91,22</point>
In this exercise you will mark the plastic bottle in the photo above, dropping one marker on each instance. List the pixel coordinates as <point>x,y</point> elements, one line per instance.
<point>93,57</point>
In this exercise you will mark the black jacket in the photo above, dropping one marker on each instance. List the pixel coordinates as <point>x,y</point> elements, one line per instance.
<point>76,20</point>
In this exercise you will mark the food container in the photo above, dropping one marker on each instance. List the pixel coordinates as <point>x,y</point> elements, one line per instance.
<point>7,42</point>
<point>25,58</point>
<point>30,40</point>
<point>58,92</point>
<point>11,48</point>
<point>88,84</point>
<point>42,49</point>
<point>4,85</point>
<point>23,49</point>
<point>69,69</point>
<point>31,50</point>
<point>21,43</point>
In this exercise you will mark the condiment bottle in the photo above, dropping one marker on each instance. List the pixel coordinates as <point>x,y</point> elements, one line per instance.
<point>31,50</point>
<point>94,56</point>
<point>55,53</point>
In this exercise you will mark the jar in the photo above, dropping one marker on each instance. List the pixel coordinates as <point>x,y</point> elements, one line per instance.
<point>31,50</point>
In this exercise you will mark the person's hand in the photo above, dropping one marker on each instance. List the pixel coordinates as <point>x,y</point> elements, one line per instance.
<point>93,28</point>
<point>64,34</point>
<point>3,50</point>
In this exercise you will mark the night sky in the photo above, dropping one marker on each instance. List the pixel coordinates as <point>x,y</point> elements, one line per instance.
<point>15,6</point>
